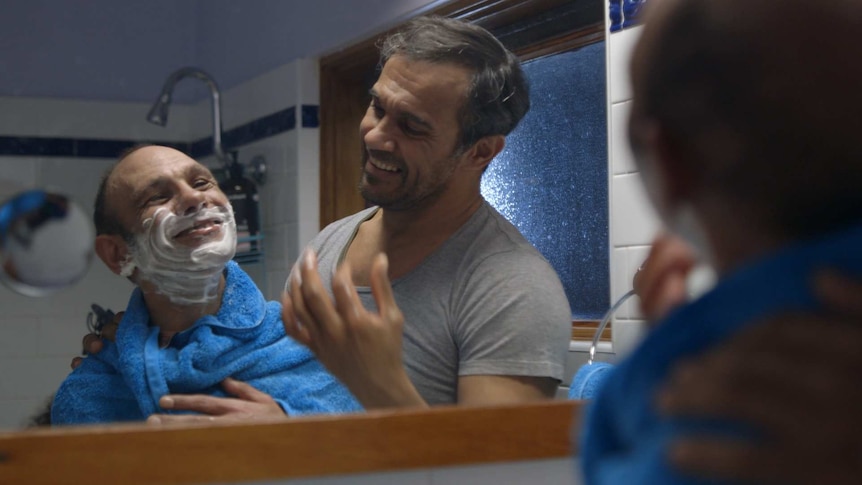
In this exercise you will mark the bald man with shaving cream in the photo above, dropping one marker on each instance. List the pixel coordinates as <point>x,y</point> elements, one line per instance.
<point>196,321</point>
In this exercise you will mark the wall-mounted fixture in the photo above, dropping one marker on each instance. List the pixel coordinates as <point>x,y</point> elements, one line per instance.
<point>159,112</point>
<point>159,115</point>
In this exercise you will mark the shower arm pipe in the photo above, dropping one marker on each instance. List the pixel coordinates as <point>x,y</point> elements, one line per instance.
<point>215,96</point>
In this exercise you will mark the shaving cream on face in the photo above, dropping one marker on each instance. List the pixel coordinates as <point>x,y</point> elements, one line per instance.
<point>188,275</point>
<point>127,266</point>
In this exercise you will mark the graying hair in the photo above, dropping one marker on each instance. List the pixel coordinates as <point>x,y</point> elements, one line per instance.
<point>498,97</point>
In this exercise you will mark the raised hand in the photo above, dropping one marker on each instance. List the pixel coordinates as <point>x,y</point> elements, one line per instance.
<point>660,283</point>
<point>360,347</point>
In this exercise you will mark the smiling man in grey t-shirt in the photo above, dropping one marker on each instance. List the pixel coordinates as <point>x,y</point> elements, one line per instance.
<point>473,313</point>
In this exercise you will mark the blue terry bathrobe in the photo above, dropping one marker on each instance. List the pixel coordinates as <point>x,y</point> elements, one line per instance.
<point>624,441</point>
<point>245,340</point>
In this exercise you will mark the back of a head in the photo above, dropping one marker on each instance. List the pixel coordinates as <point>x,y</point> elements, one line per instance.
<point>498,97</point>
<point>763,112</point>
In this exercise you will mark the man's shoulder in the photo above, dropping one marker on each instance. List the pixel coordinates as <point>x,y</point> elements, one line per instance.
<point>342,228</point>
<point>489,236</point>
<point>350,220</point>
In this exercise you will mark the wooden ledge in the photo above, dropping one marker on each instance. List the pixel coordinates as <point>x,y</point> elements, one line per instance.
<point>300,447</point>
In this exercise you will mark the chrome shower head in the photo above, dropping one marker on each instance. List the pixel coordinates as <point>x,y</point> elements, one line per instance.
<point>159,112</point>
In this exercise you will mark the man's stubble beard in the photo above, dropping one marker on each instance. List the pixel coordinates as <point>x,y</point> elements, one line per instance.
<point>407,200</point>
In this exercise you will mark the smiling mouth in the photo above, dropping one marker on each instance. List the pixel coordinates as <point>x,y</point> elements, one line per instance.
<point>383,166</point>
<point>200,228</point>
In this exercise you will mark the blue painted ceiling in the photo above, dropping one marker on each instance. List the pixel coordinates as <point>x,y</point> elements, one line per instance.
<point>122,50</point>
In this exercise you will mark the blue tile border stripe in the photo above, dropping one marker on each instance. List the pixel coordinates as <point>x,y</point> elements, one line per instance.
<point>258,129</point>
<point>269,125</point>
<point>310,116</point>
<point>624,13</point>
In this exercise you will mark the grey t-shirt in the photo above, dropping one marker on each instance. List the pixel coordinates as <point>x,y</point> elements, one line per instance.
<point>485,303</point>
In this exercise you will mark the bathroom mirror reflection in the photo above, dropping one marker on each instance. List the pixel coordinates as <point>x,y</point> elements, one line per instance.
<point>79,81</point>
<point>46,242</point>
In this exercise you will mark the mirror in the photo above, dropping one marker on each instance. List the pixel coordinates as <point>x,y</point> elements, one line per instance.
<point>46,242</point>
<point>77,85</point>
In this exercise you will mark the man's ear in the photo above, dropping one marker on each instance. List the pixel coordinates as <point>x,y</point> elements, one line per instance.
<point>483,151</point>
<point>112,250</point>
<point>666,159</point>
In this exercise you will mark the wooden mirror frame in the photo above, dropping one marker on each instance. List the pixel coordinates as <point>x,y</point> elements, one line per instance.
<point>317,446</point>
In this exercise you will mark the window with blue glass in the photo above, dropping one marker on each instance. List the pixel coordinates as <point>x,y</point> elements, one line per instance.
<point>551,181</point>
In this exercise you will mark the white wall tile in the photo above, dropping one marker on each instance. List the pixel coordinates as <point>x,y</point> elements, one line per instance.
<point>620,284</point>
<point>308,185</point>
<point>19,173</point>
<point>49,117</point>
<point>636,255</point>
<point>282,252</point>
<point>32,377</point>
<point>278,193</point>
<point>280,244</point>
<point>621,47</point>
<point>309,81</point>
<point>622,159</point>
<point>78,178</point>
<point>279,204</point>
<point>292,250</point>
<point>19,337</point>
<point>627,335</point>
<point>275,150</point>
<point>16,413</point>
<point>265,94</point>
<point>633,219</point>
<point>60,336</point>
<point>276,280</point>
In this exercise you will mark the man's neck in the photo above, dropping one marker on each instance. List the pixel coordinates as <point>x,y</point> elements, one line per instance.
<point>172,318</point>
<point>440,221</point>
<point>735,240</point>
<point>407,237</point>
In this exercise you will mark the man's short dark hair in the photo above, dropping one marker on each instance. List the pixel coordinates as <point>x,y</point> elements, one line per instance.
<point>760,112</point>
<point>104,219</point>
<point>498,96</point>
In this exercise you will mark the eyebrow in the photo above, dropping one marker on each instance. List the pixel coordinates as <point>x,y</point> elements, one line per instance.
<point>403,114</point>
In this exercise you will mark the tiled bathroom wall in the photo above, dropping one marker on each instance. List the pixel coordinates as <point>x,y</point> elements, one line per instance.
<point>59,144</point>
<point>633,221</point>
<point>66,145</point>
